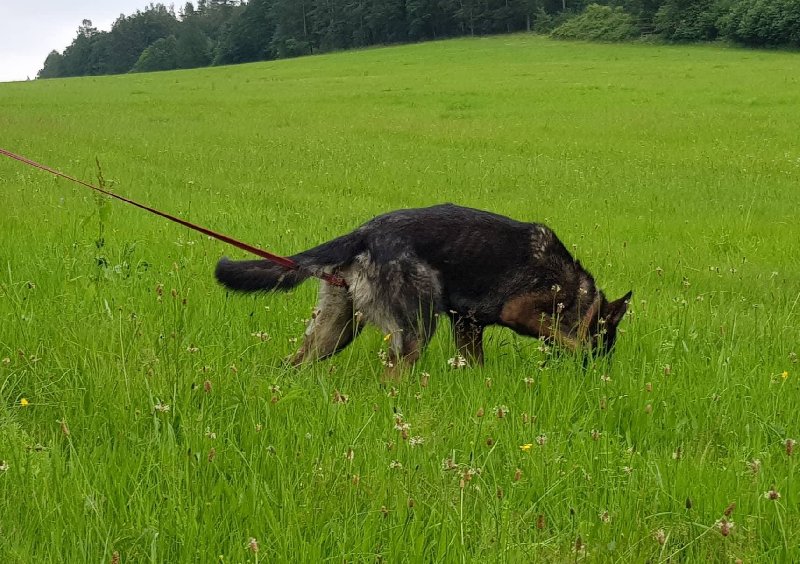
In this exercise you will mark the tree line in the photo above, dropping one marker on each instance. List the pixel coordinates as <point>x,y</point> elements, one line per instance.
<point>218,32</point>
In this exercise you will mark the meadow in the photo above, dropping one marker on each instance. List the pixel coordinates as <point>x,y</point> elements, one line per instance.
<point>146,415</point>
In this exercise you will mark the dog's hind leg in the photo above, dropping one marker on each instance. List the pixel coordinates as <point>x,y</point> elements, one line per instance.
<point>332,327</point>
<point>401,295</point>
<point>469,339</point>
<point>415,315</point>
<point>408,342</point>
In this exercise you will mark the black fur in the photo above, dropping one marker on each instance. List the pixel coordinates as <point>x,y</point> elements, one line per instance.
<point>263,275</point>
<point>477,267</point>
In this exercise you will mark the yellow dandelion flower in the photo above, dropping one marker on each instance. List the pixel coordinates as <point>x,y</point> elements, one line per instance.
<point>525,447</point>
<point>785,374</point>
<point>386,337</point>
<point>23,402</point>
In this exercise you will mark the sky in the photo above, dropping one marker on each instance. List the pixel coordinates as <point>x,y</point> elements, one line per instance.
<point>30,29</point>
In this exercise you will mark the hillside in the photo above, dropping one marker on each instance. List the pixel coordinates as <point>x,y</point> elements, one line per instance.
<point>160,423</point>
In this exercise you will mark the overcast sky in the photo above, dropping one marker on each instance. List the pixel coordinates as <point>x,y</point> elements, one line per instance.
<point>30,29</point>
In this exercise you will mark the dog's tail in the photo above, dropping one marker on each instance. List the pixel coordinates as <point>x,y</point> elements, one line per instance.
<point>265,276</point>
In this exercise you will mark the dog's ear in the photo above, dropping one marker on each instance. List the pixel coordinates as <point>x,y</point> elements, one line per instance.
<point>617,309</point>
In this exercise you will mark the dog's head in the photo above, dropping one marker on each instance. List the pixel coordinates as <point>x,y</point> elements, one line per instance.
<point>577,326</point>
<point>597,331</point>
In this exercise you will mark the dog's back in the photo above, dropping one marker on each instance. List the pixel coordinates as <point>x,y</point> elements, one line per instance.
<point>481,258</point>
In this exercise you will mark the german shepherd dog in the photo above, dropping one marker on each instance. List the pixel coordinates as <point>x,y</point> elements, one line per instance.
<point>405,267</point>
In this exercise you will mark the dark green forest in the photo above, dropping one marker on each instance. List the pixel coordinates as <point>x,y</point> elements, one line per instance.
<point>219,32</point>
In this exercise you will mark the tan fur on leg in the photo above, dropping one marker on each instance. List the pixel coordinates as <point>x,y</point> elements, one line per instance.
<point>333,325</point>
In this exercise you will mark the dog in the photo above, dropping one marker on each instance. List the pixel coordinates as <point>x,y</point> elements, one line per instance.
<point>405,268</point>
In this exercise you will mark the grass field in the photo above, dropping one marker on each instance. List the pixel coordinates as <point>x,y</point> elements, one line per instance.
<point>145,413</point>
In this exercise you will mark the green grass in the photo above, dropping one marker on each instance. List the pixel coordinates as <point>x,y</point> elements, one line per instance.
<point>669,170</point>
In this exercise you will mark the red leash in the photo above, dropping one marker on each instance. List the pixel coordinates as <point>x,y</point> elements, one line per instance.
<point>277,259</point>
